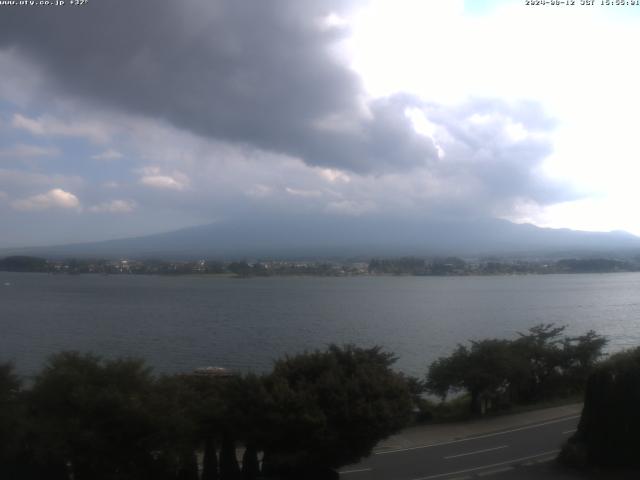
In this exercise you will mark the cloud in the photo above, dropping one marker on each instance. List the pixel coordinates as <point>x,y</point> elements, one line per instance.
<point>259,191</point>
<point>260,117</point>
<point>350,207</point>
<point>109,154</point>
<point>16,71</point>
<point>161,181</point>
<point>259,74</point>
<point>17,181</point>
<point>114,206</point>
<point>153,177</point>
<point>47,125</point>
<point>495,150</point>
<point>23,150</point>
<point>264,76</point>
<point>334,176</point>
<point>303,193</point>
<point>55,198</point>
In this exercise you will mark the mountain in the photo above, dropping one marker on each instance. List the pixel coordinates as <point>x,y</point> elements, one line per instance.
<point>331,237</point>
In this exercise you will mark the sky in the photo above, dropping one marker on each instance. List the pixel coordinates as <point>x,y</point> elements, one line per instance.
<point>123,118</point>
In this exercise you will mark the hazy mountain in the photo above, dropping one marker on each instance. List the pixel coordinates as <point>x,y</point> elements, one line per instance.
<point>307,237</point>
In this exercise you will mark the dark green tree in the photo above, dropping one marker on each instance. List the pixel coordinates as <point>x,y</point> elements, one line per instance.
<point>607,434</point>
<point>91,415</point>
<point>580,356</point>
<point>12,425</point>
<point>538,364</point>
<point>483,371</point>
<point>210,460</point>
<point>172,403</point>
<point>21,263</point>
<point>540,359</point>
<point>445,374</point>
<point>229,468</point>
<point>330,408</point>
<point>245,420</point>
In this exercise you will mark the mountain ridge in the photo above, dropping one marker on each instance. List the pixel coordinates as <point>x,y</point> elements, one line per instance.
<point>331,237</point>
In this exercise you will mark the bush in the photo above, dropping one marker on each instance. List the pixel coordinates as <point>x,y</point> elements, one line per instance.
<point>608,431</point>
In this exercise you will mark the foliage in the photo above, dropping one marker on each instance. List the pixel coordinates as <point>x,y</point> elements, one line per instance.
<point>91,415</point>
<point>607,434</point>
<point>592,265</point>
<point>99,419</point>
<point>21,263</point>
<point>330,408</point>
<point>12,418</point>
<point>398,266</point>
<point>482,370</point>
<point>538,365</point>
<point>90,418</point>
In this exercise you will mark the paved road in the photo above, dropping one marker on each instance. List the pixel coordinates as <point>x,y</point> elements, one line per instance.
<point>499,454</point>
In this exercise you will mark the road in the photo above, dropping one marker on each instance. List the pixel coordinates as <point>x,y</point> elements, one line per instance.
<point>499,453</point>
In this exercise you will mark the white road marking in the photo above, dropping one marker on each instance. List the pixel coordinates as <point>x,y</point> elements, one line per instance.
<point>361,470</point>
<point>419,447</point>
<point>545,460</point>
<point>477,451</point>
<point>485,467</point>
<point>567,432</point>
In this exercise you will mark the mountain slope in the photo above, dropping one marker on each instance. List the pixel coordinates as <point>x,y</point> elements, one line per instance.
<point>306,237</point>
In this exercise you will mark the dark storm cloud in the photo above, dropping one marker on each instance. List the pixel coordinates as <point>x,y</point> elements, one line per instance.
<point>258,73</point>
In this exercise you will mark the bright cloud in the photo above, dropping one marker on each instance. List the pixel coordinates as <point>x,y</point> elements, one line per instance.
<point>441,52</point>
<point>334,176</point>
<point>55,198</point>
<point>153,177</point>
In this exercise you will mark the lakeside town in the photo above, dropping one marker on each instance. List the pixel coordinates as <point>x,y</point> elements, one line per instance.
<point>402,266</point>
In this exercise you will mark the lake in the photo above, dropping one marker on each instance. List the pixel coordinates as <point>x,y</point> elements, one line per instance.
<point>179,323</point>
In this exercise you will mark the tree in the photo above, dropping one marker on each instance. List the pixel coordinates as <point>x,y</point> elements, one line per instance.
<point>581,354</point>
<point>91,415</point>
<point>607,434</point>
<point>445,373</point>
<point>175,403</point>
<point>245,419</point>
<point>12,424</point>
<point>538,364</point>
<point>242,269</point>
<point>21,263</point>
<point>483,371</point>
<point>541,359</point>
<point>330,408</point>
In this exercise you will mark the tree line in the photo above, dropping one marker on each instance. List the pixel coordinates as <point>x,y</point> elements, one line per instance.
<point>538,365</point>
<point>88,418</point>
<point>149,266</point>
<point>454,266</point>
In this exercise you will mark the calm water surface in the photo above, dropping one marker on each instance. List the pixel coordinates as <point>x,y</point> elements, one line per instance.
<point>179,323</point>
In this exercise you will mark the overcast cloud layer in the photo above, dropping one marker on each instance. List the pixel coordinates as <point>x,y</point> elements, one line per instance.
<point>121,118</point>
